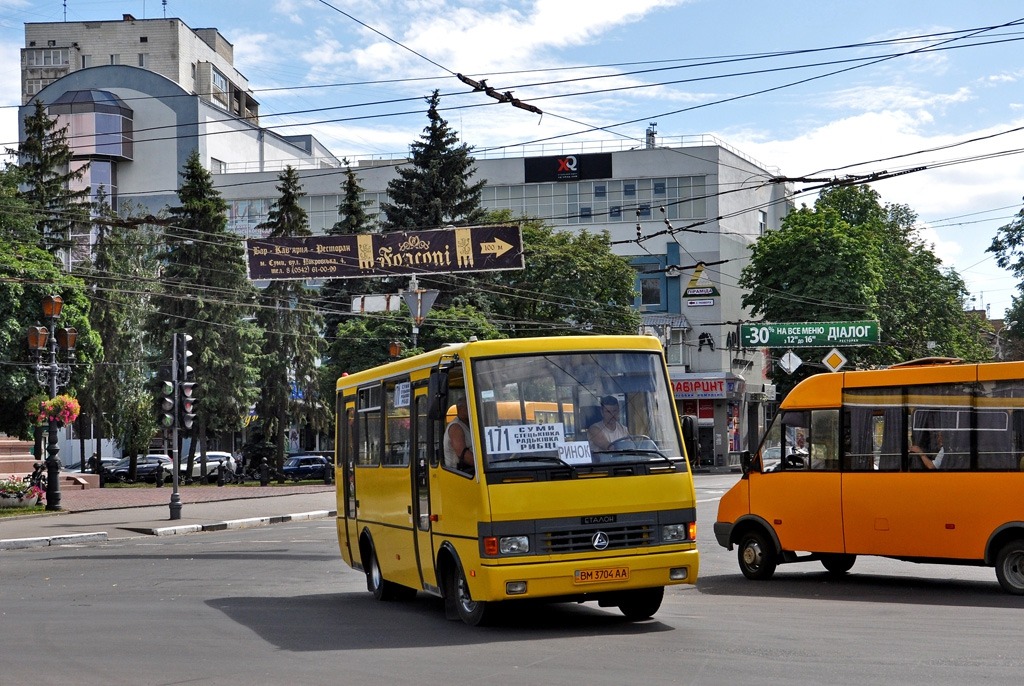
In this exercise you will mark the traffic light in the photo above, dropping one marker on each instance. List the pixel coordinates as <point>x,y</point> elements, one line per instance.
<point>167,413</point>
<point>186,403</point>
<point>184,369</point>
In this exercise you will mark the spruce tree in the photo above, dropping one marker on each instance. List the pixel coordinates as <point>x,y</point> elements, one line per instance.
<point>292,328</point>
<point>205,292</point>
<point>53,184</point>
<point>122,275</point>
<point>435,190</point>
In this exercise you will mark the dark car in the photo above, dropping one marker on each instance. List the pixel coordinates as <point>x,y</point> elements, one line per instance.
<point>145,468</point>
<point>299,467</point>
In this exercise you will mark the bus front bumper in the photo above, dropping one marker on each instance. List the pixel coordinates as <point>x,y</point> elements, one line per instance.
<point>582,577</point>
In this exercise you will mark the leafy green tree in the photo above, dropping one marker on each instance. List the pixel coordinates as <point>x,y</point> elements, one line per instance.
<point>53,187</point>
<point>851,258</point>
<point>292,328</point>
<point>122,274</point>
<point>1008,247</point>
<point>435,189</point>
<point>572,283</point>
<point>363,341</point>
<point>204,291</point>
<point>27,275</point>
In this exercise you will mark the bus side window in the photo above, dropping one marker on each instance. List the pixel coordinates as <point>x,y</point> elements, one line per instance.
<point>873,426</point>
<point>824,441</point>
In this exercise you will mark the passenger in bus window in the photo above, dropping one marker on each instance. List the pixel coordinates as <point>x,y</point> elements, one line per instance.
<point>458,442</point>
<point>607,429</point>
<point>924,460</point>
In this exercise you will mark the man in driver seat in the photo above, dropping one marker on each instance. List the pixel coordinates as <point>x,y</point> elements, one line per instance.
<point>608,429</point>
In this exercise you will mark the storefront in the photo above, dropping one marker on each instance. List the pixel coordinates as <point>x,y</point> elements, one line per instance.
<point>716,399</point>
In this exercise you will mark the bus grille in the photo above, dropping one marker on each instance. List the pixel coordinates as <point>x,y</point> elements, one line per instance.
<point>581,540</point>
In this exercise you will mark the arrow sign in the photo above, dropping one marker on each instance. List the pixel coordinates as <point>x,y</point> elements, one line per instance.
<point>497,248</point>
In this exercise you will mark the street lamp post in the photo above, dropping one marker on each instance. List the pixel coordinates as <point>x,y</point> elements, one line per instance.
<point>51,374</point>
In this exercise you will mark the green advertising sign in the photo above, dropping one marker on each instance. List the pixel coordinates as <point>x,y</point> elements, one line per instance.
<point>808,334</point>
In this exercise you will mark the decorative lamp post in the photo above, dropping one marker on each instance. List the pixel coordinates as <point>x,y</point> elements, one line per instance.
<point>44,342</point>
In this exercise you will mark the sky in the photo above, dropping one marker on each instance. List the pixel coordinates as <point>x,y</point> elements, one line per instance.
<point>926,91</point>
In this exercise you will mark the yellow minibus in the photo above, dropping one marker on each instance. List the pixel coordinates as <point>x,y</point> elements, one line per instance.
<point>529,508</point>
<point>919,462</point>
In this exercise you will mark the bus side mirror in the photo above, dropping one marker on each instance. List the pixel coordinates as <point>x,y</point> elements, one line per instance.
<point>691,437</point>
<point>745,462</point>
<point>437,391</point>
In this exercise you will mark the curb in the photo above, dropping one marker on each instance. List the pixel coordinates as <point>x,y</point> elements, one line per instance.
<point>101,536</point>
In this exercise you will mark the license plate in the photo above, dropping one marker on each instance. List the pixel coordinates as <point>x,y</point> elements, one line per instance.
<point>601,574</point>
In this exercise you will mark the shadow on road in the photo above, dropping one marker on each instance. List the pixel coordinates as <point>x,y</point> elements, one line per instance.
<point>355,621</point>
<point>905,589</point>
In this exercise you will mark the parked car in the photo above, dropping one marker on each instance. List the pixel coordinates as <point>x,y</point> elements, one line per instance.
<point>107,462</point>
<point>214,459</point>
<point>145,468</point>
<point>299,467</point>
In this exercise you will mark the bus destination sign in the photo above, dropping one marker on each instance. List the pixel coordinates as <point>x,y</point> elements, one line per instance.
<point>440,251</point>
<point>809,334</point>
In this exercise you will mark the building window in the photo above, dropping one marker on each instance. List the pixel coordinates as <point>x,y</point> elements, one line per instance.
<point>615,213</point>
<point>674,349</point>
<point>143,59</point>
<point>218,166</point>
<point>629,189</point>
<point>600,190</point>
<point>143,39</point>
<point>33,86</point>
<point>585,213</point>
<point>762,221</point>
<point>46,58</point>
<point>650,292</point>
<point>659,188</point>
<point>86,61</point>
<point>115,59</point>
<point>220,88</point>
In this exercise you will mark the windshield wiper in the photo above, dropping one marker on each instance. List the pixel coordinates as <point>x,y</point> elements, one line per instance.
<point>535,458</point>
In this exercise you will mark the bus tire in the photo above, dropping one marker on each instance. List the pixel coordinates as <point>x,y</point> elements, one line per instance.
<point>1010,567</point>
<point>838,563</point>
<point>756,556</point>
<point>381,588</point>
<point>641,604</point>
<point>471,612</point>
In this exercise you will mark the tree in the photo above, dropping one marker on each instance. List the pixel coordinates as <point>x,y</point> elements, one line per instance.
<point>292,328</point>
<point>851,258</point>
<point>435,190</point>
<point>122,275</point>
<point>352,219</point>
<point>27,275</point>
<point>1008,247</point>
<point>572,283</point>
<point>204,291</point>
<point>50,176</point>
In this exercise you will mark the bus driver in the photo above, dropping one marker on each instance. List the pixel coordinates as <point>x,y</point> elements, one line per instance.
<point>608,429</point>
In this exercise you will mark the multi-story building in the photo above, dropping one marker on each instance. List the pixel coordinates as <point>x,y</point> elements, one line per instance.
<point>139,96</point>
<point>684,211</point>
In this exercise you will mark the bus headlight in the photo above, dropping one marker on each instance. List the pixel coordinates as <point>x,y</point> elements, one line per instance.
<point>673,533</point>
<point>513,545</point>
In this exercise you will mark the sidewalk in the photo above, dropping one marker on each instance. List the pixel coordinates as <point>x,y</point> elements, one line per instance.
<point>101,514</point>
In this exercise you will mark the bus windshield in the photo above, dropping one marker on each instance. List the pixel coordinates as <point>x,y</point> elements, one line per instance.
<point>576,409</point>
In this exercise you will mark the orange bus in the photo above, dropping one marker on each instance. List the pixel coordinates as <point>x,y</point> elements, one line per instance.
<point>919,462</point>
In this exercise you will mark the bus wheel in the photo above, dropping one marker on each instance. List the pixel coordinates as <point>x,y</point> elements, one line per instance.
<point>641,603</point>
<point>756,556</point>
<point>381,588</point>
<point>838,563</point>
<point>471,612</point>
<point>1010,567</point>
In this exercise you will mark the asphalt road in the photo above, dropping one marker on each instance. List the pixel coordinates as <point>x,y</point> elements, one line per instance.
<point>277,605</point>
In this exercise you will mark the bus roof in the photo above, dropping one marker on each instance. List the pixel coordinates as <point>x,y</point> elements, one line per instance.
<point>502,346</point>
